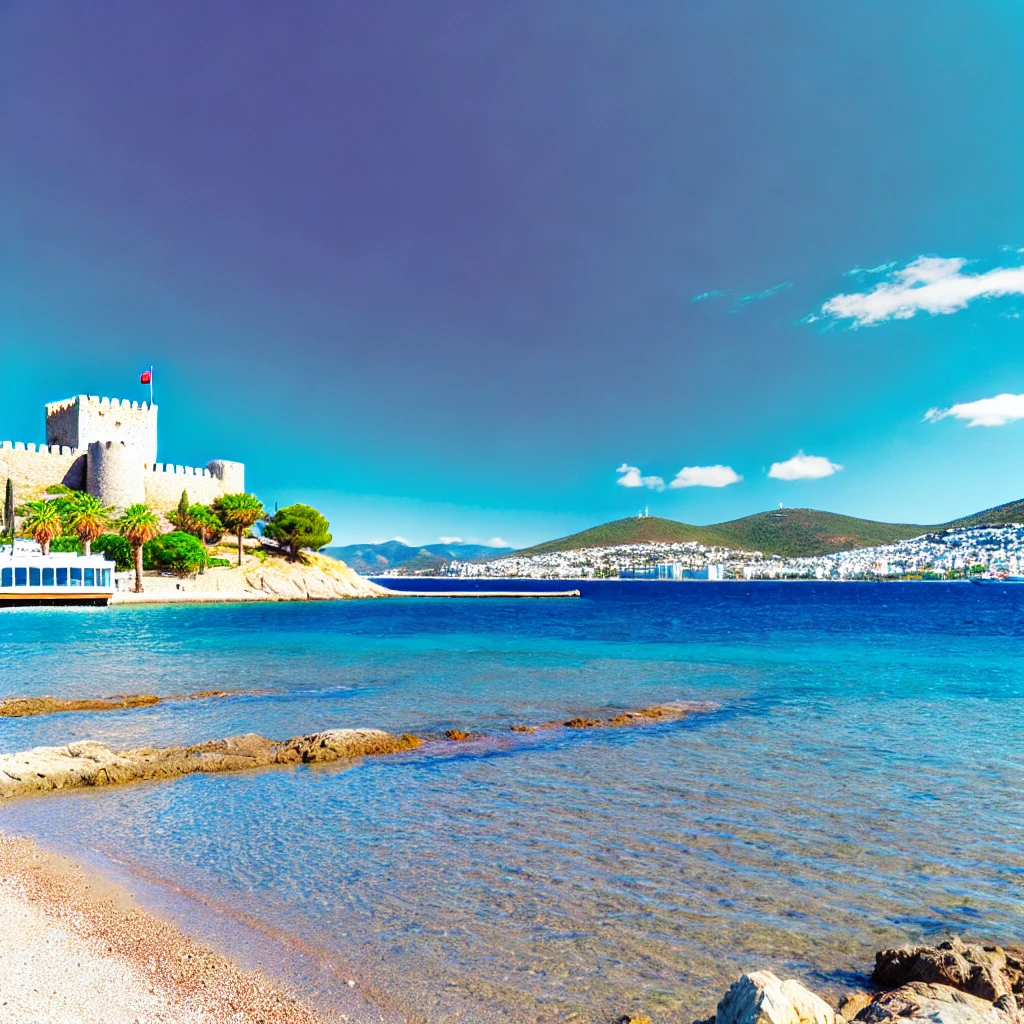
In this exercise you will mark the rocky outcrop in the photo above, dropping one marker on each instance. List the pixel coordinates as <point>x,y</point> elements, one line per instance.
<point>316,579</point>
<point>921,1002</point>
<point>92,764</point>
<point>988,972</point>
<point>763,998</point>
<point>951,983</point>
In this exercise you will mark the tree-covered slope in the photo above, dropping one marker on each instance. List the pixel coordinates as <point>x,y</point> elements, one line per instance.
<point>791,532</point>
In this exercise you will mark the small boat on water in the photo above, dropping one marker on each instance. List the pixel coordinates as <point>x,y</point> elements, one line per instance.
<point>28,577</point>
<point>998,578</point>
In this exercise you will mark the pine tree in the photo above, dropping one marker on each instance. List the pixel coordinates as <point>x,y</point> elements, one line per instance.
<point>8,521</point>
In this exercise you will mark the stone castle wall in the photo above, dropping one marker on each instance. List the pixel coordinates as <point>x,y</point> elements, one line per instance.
<point>74,422</point>
<point>164,484</point>
<point>33,468</point>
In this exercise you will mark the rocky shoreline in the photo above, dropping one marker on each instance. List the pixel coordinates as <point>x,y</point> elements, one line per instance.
<point>315,578</point>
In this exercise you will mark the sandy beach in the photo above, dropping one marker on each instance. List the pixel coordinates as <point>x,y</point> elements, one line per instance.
<point>76,949</point>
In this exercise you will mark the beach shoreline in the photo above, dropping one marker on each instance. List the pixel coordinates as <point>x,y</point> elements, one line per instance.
<point>76,947</point>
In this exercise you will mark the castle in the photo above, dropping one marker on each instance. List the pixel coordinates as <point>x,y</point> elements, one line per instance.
<point>107,446</point>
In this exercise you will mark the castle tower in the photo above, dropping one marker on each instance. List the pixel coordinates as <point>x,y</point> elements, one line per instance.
<point>76,422</point>
<point>115,473</point>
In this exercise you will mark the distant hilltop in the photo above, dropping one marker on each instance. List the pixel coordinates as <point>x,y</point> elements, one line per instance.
<point>392,555</point>
<point>789,532</point>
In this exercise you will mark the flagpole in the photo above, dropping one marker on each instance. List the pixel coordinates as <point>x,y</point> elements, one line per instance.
<point>151,387</point>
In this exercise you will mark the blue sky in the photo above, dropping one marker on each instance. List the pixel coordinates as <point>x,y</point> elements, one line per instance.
<point>443,269</point>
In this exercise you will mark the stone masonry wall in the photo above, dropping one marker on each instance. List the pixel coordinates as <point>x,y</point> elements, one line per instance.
<point>33,468</point>
<point>165,484</point>
<point>76,421</point>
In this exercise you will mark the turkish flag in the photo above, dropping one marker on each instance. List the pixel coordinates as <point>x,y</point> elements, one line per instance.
<point>146,378</point>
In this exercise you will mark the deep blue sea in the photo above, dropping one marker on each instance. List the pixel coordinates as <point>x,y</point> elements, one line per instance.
<point>861,783</point>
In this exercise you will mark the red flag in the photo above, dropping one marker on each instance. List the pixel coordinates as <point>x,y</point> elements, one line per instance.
<point>147,377</point>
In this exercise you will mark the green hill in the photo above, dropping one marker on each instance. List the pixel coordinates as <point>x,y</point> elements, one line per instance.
<point>791,532</point>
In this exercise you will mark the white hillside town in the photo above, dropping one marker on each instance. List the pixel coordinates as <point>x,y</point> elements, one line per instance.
<point>949,554</point>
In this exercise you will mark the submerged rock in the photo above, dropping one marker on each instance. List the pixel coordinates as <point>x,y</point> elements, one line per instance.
<point>22,707</point>
<point>643,716</point>
<point>92,764</point>
<point>763,998</point>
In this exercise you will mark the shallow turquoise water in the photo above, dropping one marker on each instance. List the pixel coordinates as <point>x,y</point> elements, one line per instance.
<point>860,784</point>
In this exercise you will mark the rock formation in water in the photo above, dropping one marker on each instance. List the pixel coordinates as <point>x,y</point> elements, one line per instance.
<point>86,763</point>
<point>644,716</point>
<point>23,707</point>
<point>951,983</point>
<point>93,764</point>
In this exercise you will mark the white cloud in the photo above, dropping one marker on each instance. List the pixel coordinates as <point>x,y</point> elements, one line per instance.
<point>450,540</point>
<point>986,412</point>
<point>803,467</point>
<point>766,294</point>
<point>929,284</point>
<point>629,476</point>
<point>497,542</point>
<point>706,476</point>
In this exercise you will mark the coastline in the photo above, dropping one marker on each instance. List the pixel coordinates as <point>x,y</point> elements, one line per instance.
<point>74,946</point>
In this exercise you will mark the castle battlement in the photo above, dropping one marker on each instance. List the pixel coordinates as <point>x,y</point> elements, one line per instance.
<point>43,449</point>
<point>169,470</point>
<point>89,400</point>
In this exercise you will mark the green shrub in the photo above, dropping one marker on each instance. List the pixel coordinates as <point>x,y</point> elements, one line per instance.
<point>115,548</point>
<point>176,552</point>
<point>219,561</point>
<point>66,543</point>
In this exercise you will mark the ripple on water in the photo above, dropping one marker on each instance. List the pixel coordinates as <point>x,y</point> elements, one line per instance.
<point>861,785</point>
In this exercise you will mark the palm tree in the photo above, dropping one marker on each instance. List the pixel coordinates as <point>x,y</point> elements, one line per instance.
<point>87,517</point>
<point>42,521</point>
<point>239,512</point>
<point>138,525</point>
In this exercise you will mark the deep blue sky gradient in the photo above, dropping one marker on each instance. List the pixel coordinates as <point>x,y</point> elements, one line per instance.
<point>431,266</point>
